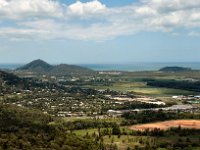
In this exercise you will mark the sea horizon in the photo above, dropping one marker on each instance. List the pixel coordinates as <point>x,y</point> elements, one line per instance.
<point>136,66</point>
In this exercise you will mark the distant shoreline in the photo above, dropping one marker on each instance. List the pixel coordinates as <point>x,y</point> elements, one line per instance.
<point>124,67</point>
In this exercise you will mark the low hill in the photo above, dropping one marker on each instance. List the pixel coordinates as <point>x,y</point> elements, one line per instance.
<point>175,69</point>
<point>9,79</point>
<point>72,69</point>
<point>40,66</point>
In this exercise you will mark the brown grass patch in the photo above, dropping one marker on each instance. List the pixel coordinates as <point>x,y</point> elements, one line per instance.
<point>192,124</point>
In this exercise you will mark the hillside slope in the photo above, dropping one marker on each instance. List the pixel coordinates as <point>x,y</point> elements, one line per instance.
<point>41,67</point>
<point>36,66</point>
<point>9,79</point>
<point>25,129</point>
<point>72,69</point>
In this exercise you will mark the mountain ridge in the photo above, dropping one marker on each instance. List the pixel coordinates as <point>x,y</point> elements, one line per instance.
<point>40,66</point>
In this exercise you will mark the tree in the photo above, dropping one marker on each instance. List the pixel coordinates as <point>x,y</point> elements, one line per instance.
<point>116,130</point>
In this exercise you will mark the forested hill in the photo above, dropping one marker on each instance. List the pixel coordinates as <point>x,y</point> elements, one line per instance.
<point>175,69</point>
<point>9,79</point>
<point>26,129</point>
<point>70,69</point>
<point>40,66</point>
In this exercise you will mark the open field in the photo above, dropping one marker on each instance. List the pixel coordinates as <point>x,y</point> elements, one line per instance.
<point>142,89</point>
<point>85,118</point>
<point>154,91</point>
<point>193,124</point>
<point>133,141</point>
<point>137,82</point>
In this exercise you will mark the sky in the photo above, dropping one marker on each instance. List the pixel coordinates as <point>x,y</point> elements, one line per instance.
<point>99,31</point>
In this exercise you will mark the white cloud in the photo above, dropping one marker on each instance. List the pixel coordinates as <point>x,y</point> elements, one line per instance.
<point>19,34</point>
<point>173,5</point>
<point>48,19</point>
<point>85,9</point>
<point>145,10</point>
<point>16,9</point>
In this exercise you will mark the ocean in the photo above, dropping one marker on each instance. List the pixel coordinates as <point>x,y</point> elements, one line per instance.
<point>124,67</point>
<point>140,66</point>
<point>10,66</point>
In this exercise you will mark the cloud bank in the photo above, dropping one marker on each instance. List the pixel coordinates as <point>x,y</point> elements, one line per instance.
<point>51,19</point>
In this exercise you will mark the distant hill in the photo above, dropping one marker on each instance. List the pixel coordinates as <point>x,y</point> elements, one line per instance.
<point>40,66</point>
<point>175,69</point>
<point>37,66</point>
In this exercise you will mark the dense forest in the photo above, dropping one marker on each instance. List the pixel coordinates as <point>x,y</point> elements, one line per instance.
<point>175,84</point>
<point>153,116</point>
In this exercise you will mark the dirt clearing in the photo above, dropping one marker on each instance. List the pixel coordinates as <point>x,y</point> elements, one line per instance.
<point>192,124</point>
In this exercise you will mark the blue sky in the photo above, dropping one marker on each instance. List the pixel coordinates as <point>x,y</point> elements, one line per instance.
<point>106,31</point>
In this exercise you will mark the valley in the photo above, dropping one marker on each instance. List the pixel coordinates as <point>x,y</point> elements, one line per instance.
<point>103,107</point>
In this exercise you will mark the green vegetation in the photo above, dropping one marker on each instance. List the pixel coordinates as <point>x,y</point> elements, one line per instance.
<point>171,139</point>
<point>175,84</point>
<point>71,107</point>
<point>153,116</point>
<point>22,128</point>
<point>88,124</point>
<point>9,79</point>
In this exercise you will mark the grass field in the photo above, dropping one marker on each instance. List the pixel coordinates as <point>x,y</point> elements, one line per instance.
<point>85,131</point>
<point>141,88</point>
<point>124,141</point>
<point>72,119</point>
<point>153,91</point>
<point>136,82</point>
<point>108,119</point>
